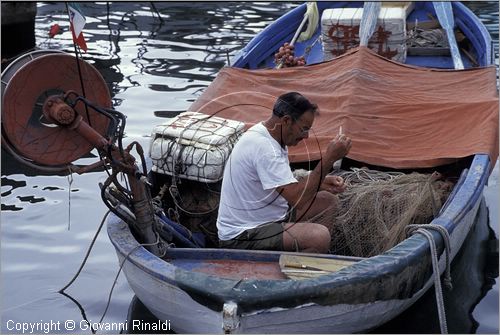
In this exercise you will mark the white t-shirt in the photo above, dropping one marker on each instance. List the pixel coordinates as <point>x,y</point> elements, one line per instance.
<point>256,167</point>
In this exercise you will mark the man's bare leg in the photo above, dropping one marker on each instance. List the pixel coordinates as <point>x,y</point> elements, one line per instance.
<point>306,237</point>
<point>323,201</point>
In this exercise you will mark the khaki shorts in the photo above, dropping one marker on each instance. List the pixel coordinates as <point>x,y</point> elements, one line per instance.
<point>268,236</point>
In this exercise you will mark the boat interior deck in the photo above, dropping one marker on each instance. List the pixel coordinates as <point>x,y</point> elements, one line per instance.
<point>255,264</point>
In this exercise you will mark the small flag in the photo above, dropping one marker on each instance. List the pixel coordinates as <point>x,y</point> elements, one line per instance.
<point>54,30</point>
<point>77,22</point>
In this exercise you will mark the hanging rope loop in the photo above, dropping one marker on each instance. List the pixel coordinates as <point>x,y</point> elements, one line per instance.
<point>425,230</point>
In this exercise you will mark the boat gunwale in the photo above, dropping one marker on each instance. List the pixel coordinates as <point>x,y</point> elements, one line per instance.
<point>467,19</point>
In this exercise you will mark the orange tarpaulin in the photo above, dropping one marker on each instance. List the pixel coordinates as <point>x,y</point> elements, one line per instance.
<point>397,115</point>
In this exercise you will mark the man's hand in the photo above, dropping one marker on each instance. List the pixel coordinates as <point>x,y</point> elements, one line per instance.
<point>338,148</point>
<point>333,184</point>
<point>301,193</point>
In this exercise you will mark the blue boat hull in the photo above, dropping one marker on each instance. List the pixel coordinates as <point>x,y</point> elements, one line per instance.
<point>259,52</point>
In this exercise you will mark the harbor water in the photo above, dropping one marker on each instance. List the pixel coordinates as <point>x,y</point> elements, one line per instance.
<point>158,57</point>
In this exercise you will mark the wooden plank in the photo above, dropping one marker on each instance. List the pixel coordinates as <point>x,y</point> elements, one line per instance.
<point>424,25</point>
<point>303,267</point>
<point>444,12</point>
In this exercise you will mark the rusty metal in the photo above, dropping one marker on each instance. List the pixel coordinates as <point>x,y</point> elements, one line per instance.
<point>46,121</point>
<point>144,213</point>
<point>89,134</point>
<point>125,162</point>
<point>24,99</point>
<point>57,111</point>
<point>99,165</point>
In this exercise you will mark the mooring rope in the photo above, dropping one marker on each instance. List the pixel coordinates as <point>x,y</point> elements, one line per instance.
<point>424,230</point>
<point>121,267</point>
<point>87,254</point>
<point>119,270</point>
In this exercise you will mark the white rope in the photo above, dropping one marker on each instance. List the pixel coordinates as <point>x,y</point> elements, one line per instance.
<point>424,230</point>
<point>70,182</point>
<point>363,175</point>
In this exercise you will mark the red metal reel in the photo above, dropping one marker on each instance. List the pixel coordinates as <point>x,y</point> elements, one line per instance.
<point>22,100</point>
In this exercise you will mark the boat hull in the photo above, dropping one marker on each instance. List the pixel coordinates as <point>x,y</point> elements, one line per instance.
<point>319,305</point>
<point>168,302</point>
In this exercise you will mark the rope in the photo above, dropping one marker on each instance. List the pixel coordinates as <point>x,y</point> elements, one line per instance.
<point>174,193</point>
<point>363,175</point>
<point>119,270</point>
<point>424,230</point>
<point>88,253</point>
<point>156,10</point>
<point>121,267</point>
<point>70,181</point>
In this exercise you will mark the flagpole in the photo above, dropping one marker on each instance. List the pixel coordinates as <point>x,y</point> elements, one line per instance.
<point>78,64</point>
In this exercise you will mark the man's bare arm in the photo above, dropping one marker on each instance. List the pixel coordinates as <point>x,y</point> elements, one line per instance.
<point>304,191</point>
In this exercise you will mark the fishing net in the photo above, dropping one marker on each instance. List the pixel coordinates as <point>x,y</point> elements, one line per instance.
<point>377,206</point>
<point>432,38</point>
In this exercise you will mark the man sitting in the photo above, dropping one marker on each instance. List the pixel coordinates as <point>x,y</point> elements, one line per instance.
<point>262,205</point>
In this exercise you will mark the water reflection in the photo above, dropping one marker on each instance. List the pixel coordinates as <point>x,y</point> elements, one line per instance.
<point>182,38</point>
<point>8,186</point>
<point>81,309</point>
<point>137,311</point>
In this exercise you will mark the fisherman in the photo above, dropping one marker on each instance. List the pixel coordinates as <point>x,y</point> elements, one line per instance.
<point>262,205</point>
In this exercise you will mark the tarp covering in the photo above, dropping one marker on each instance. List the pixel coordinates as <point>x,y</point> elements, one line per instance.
<point>397,115</point>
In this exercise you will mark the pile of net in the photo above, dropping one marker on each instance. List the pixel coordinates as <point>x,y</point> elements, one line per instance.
<point>377,206</point>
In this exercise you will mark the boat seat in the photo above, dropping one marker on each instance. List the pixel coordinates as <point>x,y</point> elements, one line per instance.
<point>305,267</point>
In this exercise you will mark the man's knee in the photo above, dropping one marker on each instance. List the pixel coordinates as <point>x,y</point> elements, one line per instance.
<point>322,238</point>
<point>305,236</point>
<point>317,239</point>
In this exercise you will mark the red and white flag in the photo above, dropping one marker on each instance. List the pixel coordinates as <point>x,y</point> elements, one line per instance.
<point>77,22</point>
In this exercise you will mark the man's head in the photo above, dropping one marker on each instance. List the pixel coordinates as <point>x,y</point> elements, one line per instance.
<point>296,115</point>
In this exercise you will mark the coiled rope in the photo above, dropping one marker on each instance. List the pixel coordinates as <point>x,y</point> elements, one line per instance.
<point>424,230</point>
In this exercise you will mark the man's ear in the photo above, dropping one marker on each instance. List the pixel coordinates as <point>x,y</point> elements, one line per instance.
<point>286,119</point>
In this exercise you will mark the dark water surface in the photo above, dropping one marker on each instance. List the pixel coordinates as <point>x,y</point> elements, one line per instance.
<point>155,64</point>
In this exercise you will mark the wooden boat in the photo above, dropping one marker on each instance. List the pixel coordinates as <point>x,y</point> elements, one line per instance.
<point>247,291</point>
<point>214,290</point>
